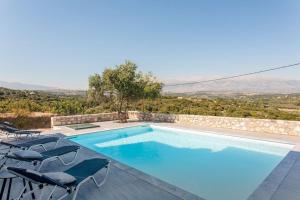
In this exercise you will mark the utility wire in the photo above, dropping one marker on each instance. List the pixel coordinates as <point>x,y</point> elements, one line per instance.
<point>235,76</point>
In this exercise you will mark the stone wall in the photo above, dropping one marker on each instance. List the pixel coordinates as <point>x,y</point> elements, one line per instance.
<point>80,119</point>
<point>282,127</point>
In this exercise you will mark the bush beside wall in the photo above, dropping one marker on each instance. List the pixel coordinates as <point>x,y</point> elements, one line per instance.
<point>29,122</point>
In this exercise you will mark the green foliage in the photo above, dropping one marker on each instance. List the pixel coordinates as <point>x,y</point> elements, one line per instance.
<point>95,91</point>
<point>103,108</point>
<point>68,107</point>
<point>122,81</point>
<point>124,85</point>
<point>148,99</point>
<point>215,107</point>
<point>151,87</point>
<point>26,102</point>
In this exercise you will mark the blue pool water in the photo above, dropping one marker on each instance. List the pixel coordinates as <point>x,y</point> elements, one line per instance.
<point>211,166</point>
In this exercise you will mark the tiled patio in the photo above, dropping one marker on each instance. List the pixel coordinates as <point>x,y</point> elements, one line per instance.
<point>125,182</point>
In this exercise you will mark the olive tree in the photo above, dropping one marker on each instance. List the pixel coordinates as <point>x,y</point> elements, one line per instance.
<point>124,84</point>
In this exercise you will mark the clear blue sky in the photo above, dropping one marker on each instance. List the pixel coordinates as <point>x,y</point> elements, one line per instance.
<point>61,42</point>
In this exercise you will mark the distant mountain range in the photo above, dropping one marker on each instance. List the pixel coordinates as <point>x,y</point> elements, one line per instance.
<point>241,85</point>
<point>32,87</point>
<point>249,85</point>
<point>25,86</point>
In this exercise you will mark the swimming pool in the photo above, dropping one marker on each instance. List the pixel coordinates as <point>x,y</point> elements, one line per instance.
<point>212,166</point>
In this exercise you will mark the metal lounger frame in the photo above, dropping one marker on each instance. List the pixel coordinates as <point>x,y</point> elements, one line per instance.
<point>41,163</point>
<point>59,158</point>
<point>68,190</point>
<point>31,147</point>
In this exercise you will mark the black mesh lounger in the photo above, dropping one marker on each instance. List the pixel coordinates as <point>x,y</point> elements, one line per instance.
<point>11,130</point>
<point>28,144</point>
<point>69,180</point>
<point>39,159</point>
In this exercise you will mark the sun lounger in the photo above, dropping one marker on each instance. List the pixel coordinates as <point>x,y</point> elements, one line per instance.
<point>11,130</point>
<point>7,146</point>
<point>40,159</point>
<point>70,180</point>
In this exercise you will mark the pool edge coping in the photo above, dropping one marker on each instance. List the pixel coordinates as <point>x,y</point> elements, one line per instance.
<point>268,187</point>
<point>260,192</point>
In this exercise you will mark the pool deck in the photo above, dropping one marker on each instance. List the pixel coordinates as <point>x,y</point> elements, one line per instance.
<point>125,182</point>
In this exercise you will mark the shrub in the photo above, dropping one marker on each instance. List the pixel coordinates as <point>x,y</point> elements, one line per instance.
<point>28,122</point>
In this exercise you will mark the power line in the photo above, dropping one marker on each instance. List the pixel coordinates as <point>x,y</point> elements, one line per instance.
<point>235,76</point>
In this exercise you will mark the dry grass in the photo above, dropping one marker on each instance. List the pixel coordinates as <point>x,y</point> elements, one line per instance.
<point>28,122</point>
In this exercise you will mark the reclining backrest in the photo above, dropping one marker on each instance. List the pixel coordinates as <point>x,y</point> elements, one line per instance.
<point>8,129</point>
<point>33,176</point>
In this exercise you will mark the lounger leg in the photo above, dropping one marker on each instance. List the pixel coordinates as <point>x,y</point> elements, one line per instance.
<point>64,196</point>
<point>105,177</point>
<point>31,189</point>
<point>9,187</point>
<point>51,193</point>
<point>94,180</point>
<point>44,194</point>
<point>24,192</point>
<point>57,158</point>
<point>24,183</point>
<point>3,188</point>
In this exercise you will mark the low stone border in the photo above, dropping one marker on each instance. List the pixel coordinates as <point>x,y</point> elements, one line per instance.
<point>279,127</point>
<point>80,119</point>
<point>282,127</point>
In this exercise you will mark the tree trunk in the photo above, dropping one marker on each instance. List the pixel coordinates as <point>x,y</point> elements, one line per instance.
<point>122,115</point>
